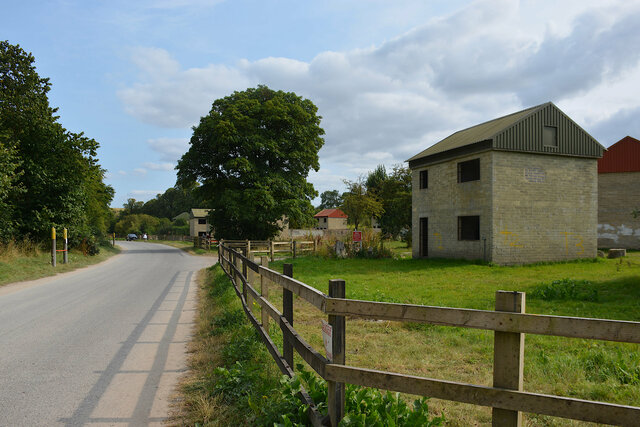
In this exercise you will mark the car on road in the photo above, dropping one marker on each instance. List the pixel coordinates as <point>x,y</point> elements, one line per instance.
<point>131,236</point>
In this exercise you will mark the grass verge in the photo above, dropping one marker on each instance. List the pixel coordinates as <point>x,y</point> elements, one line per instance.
<point>234,381</point>
<point>20,262</point>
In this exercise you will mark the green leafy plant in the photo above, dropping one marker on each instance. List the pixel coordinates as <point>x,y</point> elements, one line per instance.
<point>566,289</point>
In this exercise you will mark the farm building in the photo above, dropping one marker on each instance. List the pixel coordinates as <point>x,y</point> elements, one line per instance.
<point>199,223</point>
<point>619,195</point>
<point>517,189</point>
<point>331,219</point>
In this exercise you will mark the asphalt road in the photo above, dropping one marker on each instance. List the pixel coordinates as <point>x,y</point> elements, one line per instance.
<point>99,346</point>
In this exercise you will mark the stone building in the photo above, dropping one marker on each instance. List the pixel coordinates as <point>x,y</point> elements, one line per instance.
<point>331,219</point>
<point>517,189</point>
<point>619,195</point>
<point>199,223</point>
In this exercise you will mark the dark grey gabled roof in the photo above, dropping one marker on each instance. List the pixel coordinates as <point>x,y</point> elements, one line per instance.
<point>520,131</point>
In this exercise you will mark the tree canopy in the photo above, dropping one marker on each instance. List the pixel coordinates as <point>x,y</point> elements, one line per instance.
<point>252,154</point>
<point>330,199</point>
<point>50,176</point>
<point>359,205</point>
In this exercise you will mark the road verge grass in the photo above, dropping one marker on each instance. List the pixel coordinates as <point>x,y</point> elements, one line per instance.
<point>234,381</point>
<point>28,261</point>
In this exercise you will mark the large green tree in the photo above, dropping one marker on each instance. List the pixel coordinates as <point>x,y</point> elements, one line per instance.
<point>330,199</point>
<point>57,170</point>
<point>252,154</point>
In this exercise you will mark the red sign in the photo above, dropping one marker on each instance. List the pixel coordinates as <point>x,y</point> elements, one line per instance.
<point>357,236</point>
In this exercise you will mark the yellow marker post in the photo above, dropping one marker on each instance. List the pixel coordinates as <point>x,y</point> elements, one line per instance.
<point>53,246</point>
<point>65,256</point>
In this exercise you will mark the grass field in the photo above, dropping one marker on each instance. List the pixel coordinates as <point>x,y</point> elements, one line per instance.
<point>18,263</point>
<point>578,368</point>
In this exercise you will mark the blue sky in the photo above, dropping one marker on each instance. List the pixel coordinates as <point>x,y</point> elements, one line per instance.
<point>390,78</point>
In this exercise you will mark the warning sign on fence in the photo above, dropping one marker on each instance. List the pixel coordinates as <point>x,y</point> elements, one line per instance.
<point>327,338</point>
<point>357,236</point>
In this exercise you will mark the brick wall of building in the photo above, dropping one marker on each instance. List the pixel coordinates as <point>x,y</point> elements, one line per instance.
<point>618,196</point>
<point>444,201</point>
<point>544,208</point>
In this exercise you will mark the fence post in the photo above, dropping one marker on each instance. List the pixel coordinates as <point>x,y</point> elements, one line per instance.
<point>335,396</point>
<point>248,247</point>
<point>508,358</point>
<point>53,246</point>
<point>271,249</point>
<point>244,274</point>
<point>264,291</point>
<point>114,239</point>
<point>294,246</point>
<point>65,254</point>
<point>287,311</point>
<point>315,246</point>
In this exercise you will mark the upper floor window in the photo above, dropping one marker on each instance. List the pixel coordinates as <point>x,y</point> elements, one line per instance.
<point>424,179</point>
<point>469,170</point>
<point>550,136</point>
<point>202,220</point>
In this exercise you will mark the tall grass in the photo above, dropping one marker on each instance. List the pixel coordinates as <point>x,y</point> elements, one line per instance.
<point>24,248</point>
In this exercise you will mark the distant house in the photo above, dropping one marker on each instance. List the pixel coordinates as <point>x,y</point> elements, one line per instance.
<point>619,195</point>
<point>199,223</point>
<point>517,189</point>
<point>331,219</point>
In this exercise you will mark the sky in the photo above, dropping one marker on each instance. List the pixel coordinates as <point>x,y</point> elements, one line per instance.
<point>389,78</point>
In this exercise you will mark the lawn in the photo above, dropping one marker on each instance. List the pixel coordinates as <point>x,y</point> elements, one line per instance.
<point>553,365</point>
<point>17,265</point>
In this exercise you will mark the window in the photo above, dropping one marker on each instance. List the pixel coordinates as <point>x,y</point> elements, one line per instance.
<point>324,219</point>
<point>469,170</point>
<point>468,228</point>
<point>424,179</point>
<point>202,220</point>
<point>550,136</point>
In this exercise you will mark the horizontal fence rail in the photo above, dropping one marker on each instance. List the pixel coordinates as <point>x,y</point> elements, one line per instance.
<point>509,326</point>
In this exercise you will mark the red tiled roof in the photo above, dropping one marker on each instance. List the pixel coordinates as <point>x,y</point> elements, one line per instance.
<point>331,213</point>
<point>623,156</point>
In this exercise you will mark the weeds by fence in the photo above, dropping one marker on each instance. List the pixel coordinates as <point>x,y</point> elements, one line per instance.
<point>509,321</point>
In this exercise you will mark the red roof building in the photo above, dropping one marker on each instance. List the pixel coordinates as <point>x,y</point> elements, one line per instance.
<point>619,195</point>
<point>331,219</point>
<point>623,156</point>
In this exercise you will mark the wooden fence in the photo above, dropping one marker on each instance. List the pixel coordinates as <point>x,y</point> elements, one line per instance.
<point>509,321</point>
<point>271,247</point>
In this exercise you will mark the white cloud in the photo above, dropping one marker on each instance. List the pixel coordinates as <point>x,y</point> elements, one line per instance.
<point>159,166</point>
<point>140,171</point>
<point>121,172</point>
<point>170,149</point>
<point>385,103</point>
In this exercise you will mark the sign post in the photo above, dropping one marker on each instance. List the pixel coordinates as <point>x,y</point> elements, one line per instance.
<point>53,246</point>
<point>65,256</point>
<point>357,238</point>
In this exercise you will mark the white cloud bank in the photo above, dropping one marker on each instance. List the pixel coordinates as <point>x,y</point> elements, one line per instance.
<point>386,103</point>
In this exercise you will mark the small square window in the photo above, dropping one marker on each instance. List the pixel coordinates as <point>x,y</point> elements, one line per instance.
<point>550,136</point>
<point>424,179</point>
<point>202,220</point>
<point>469,170</point>
<point>469,228</point>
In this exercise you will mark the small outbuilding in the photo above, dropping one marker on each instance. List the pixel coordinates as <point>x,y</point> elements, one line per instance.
<point>199,223</point>
<point>517,189</point>
<point>619,195</point>
<point>331,219</point>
